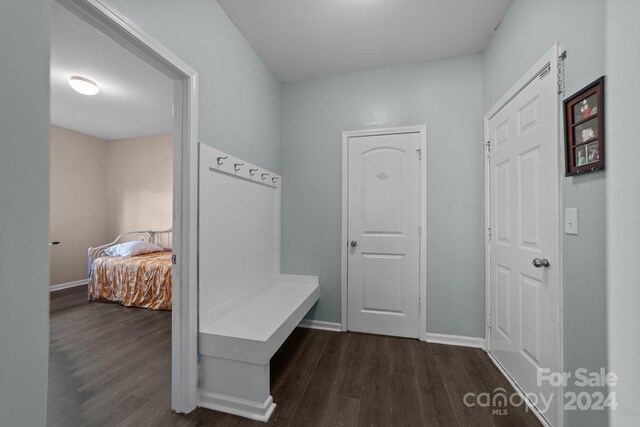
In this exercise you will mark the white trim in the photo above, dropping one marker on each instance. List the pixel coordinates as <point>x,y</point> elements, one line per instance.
<point>320,324</point>
<point>67,285</point>
<point>239,407</point>
<point>520,392</point>
<point>184,365</point>
<point>422,131</point>
<point>550,59</point>
<point>459,340</point>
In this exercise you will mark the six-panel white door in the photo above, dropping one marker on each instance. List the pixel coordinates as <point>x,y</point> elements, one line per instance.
<point>523,195</point>
<point>383,219</point>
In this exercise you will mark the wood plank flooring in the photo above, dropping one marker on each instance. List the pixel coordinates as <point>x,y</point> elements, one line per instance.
<point>111,366</point>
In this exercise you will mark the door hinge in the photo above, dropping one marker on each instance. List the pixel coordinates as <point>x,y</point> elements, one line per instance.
<point>174,259</point>
<point>489,321</point>
<point>419,304</point>
<point>489,233</point>
<point>419,152</point>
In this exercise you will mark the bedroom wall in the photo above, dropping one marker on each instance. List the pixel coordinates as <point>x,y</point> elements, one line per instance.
<point>99,189</point>
<point>239,98</point>
<point>139,184</point>
<point>24,119</point>
<point>77,202</point>
<point>446,96</point>
<point>527,32</point>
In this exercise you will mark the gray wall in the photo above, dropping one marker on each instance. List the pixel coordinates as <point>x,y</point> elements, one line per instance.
<point>24,168</point>
<point>444,95</point>
<point>526,33</point>
<point>239,97</point>
<point>623,206</point>
<point>239,113</point>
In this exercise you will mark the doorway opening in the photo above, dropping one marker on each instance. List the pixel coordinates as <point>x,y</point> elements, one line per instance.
<point>182,198</point>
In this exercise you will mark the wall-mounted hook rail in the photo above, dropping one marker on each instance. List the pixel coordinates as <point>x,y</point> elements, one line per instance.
<point>252,171</point>
<point>264,175</point>
<point>236,166</point>
<point>274,179</point>
<point>220,159</point>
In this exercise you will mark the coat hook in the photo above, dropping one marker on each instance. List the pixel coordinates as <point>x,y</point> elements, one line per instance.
<point>237,166</point>
<point>274,179</point>
<point>264,175</point>
<point>252,171</point>
<point>220,159</point>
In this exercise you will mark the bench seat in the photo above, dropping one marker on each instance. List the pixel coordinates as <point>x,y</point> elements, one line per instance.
<point>235,349</point>
<point>255,330</point>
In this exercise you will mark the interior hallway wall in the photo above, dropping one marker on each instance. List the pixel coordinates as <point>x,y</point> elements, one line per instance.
<point>139,184</point>
<point>239,98</point>
<point>77,201</point>
<point>447,97</point>
<point>24,212</point>
<point>623,206</point>
<point>527,32</point>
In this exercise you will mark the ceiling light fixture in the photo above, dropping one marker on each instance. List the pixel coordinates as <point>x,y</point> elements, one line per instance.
<point>83,85</point>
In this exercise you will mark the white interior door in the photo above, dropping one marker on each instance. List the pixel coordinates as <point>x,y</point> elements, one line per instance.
<point>383,232</point>
<point>524,216</point>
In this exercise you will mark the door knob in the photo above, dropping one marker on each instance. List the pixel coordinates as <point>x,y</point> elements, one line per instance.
<point>541,262</point>
<point>354,243</point>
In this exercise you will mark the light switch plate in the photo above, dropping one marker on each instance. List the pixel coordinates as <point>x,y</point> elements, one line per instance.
<point>571,221</point>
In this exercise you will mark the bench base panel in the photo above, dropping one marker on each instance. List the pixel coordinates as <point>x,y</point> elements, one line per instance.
<point>235,387</point>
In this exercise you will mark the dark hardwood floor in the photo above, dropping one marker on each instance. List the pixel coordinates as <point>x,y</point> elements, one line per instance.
<point>110,366</point>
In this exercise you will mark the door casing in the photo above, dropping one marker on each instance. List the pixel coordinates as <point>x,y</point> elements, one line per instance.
<point>550,59</point>
<point>422,131</point>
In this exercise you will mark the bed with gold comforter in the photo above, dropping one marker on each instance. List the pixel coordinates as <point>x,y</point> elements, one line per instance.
<point>135,281</point>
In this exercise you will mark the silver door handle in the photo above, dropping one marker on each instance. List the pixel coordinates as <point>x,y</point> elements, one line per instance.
<point>540,262</point>
<point>354,243</point>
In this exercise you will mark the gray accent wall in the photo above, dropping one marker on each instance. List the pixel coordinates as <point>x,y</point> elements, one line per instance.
<point>24,189</point>
<point>527,32</point>
<point>239,97</point>
<point>623,206</point>
<point>446,96</point>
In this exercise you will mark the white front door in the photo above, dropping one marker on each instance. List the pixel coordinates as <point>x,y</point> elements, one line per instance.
<point>384,245</point>
<point>523,167</point>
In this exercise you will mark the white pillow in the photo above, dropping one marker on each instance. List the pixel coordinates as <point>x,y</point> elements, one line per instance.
<point>134,248</point>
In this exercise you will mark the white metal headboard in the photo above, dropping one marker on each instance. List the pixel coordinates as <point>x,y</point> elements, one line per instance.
<point>162,238</point>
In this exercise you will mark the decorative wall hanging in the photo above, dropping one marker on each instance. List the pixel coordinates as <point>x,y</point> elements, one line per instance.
<point>584,129</point>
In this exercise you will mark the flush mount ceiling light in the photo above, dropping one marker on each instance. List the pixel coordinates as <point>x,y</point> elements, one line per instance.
<point>83,85</point>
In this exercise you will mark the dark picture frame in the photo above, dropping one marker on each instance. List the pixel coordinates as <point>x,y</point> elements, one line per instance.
<point>584,129</point>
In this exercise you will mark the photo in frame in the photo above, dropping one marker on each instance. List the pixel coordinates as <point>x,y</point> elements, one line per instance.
<point>584,129</point>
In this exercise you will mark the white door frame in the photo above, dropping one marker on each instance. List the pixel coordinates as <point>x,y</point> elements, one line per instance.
<point>550,59</point>
<point>422,130</point>
<point>184,332</point>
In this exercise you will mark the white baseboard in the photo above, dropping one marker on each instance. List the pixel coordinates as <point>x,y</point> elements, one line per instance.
<point>242,408</point>
<point>320,324</point>
<point>459,340</point>
<point>68,285</point>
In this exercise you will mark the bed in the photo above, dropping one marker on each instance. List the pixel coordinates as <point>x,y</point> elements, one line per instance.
<point>134,281</point>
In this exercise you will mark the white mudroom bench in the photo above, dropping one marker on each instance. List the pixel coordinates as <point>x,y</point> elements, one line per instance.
<point>247,308</point>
